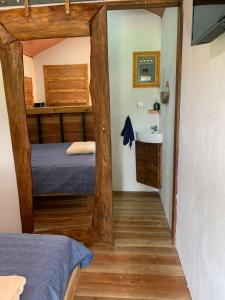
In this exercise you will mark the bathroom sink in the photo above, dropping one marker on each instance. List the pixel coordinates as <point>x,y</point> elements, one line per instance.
<point>149,136</point>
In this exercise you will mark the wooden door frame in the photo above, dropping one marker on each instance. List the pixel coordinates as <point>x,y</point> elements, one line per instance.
<point>177,118</point>
<point>120,4</point>
<point>15,25</point>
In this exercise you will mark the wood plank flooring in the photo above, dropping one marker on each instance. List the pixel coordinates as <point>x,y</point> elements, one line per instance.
<point>143,263</point>
<point>65,215</point>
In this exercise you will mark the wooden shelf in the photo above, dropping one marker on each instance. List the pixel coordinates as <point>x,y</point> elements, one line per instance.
<point>58,109</point>
<point>152,111</point>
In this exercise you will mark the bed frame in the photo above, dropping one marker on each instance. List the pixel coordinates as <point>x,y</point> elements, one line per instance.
<point>60,124</point>
<point>72,285</point>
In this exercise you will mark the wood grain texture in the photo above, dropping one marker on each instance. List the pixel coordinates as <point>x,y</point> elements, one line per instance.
<point>50,127</point>
<point>11,55</point>
<point>136,270</point>
<point>51,21</point>
<point>72,285</point>
<point>99,88</point>
<point>65,215</point>
<point>66,85</point>
<point>58,109</point>
<point>28,92</point>
<point>148,163</point>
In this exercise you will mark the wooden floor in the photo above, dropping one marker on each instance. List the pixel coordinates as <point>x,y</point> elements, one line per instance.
<point>143,263</point>
<point>67,215</point>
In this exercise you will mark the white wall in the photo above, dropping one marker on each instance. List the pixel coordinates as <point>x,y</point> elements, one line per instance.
<point>69,51</point>
<point>28,65</point>
<point>9,200</point>
<point>201,184</point>
<point>168,72</point>
<point>129,31</point>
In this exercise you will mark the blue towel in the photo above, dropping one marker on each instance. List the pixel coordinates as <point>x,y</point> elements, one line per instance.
<point>128,133</point>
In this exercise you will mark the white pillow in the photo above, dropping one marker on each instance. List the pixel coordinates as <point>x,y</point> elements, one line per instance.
<point>81,148</point>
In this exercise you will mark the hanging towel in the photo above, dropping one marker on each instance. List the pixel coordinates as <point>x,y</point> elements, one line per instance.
<point>128,133</point>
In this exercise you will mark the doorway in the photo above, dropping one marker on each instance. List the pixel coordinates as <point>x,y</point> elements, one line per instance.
<point>75,25</point>
<point>92,21</point>
<point>144,166</point>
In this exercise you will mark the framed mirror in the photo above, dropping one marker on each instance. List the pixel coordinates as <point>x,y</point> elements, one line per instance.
<point>146,69</point>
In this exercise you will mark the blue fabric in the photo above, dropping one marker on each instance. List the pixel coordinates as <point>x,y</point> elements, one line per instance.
<point>54,171</point>
<point>46,261</point>
<point>128,132</point>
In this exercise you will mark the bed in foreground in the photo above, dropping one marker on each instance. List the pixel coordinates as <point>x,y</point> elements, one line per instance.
<point>49,263</point>
<point>54,171</point>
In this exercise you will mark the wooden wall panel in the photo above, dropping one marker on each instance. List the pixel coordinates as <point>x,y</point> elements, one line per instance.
<point>90,127</point>
<point>28,91</point>
<point>66,85</point>
<point>73,130</point>
<point>32,129</point>
<point>99,86</point>
<point>50,127</point>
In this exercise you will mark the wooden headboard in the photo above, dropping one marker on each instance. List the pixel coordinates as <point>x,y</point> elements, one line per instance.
<point>60,124</point>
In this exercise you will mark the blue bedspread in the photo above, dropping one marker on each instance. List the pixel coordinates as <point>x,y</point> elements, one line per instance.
<point>46,261</point>
<point>54,171</point>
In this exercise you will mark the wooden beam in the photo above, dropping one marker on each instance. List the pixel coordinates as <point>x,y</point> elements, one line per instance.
<point>158,11</point>
<point>99,88</point>
<point>133,4</point>
<point>177,118</point>
<point>49,21</point>
<point>58,109</point>
<point>11,56</point>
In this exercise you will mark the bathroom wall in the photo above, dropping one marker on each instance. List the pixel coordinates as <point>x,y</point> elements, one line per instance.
<point>69,51</point>
<point>201,185</point>
<point>29,71</point>
<point>168,72</point>
<point>9,200</point>
<point>129,31</point>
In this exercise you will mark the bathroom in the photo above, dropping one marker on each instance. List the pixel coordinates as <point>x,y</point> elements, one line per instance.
<point>132,31</point>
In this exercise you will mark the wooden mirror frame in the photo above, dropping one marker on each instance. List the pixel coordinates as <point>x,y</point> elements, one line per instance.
<point>52,22</point>
<point>146,54</point>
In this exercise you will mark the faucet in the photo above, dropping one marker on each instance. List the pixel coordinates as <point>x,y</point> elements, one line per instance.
<point>154,128</point>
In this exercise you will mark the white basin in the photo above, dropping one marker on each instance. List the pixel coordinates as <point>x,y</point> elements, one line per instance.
<point>149,136</point>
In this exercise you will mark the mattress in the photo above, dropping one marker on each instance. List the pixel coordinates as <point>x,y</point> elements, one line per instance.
<point>54,171</point>
<point>46,261</point>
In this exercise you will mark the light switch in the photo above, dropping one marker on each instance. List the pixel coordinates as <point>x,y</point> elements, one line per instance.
<point>141,105</point>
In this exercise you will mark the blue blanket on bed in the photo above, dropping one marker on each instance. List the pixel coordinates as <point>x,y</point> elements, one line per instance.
<point>54,171</point>
<point>46,261</point>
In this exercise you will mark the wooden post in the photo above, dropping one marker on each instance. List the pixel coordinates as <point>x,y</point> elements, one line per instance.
<point>177,118</point>
<point>99,88</point>
<point>11,56</point>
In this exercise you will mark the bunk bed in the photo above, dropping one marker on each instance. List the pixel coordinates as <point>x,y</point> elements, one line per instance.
<point>49,264</point>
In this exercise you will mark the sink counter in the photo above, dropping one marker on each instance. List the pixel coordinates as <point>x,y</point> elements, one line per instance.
<point>149,136</point>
